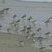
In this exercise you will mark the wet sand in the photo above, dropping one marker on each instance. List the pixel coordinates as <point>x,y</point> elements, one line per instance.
<point>9,43</point>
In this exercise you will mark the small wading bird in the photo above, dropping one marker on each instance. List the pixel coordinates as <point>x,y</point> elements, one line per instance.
<point>6,10</point>
<point>33,34</point>
<point>50,45</point>
<point>2,12</point>
<point>8,30</point>
<point>23,30</point>
<point>50,17</point>
<point>39,39</point>
<point>39,29</point>
<point>0,26</point>
<point>29,28</point>
<point>23,19</point>
<point>47,34</point>
<point>42,49</point>
<point>18,21</point>
<point>29,18</point>
<point>28,32</point>
<point>47,22</point>
<point>21,43</point>
<point>23,16</point>
<point>33,22</point>
<point>14,16</point>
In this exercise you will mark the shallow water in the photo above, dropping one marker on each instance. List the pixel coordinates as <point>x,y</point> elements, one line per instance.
<point>39,11</point>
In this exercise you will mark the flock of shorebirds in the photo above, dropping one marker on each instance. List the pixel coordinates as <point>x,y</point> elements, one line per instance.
<point>26,30</point>
<point>3,11</point>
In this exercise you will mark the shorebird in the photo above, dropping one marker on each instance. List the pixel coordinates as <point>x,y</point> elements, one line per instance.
<point>50,17</point>
<point>39,29</point>
<point>33,34</point>
<point>42,49</point>
<point>47,34</point>
<point>23,31</point>
<point>33,22</point>
<point>0,26</point>
<point>29,28</point>
<point>23,19</point>
<point>14,16</point>
<point>50,45</point>
<point>18,20</point>
<point>23,16</point>
<point>21,43</point>
<point>39,39</point>
<point>8,30</point>
<point>2,13</point>
<point>29,18</point>
<point>28,34</point>
<point>6,10</point>
<point>47,22</point>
